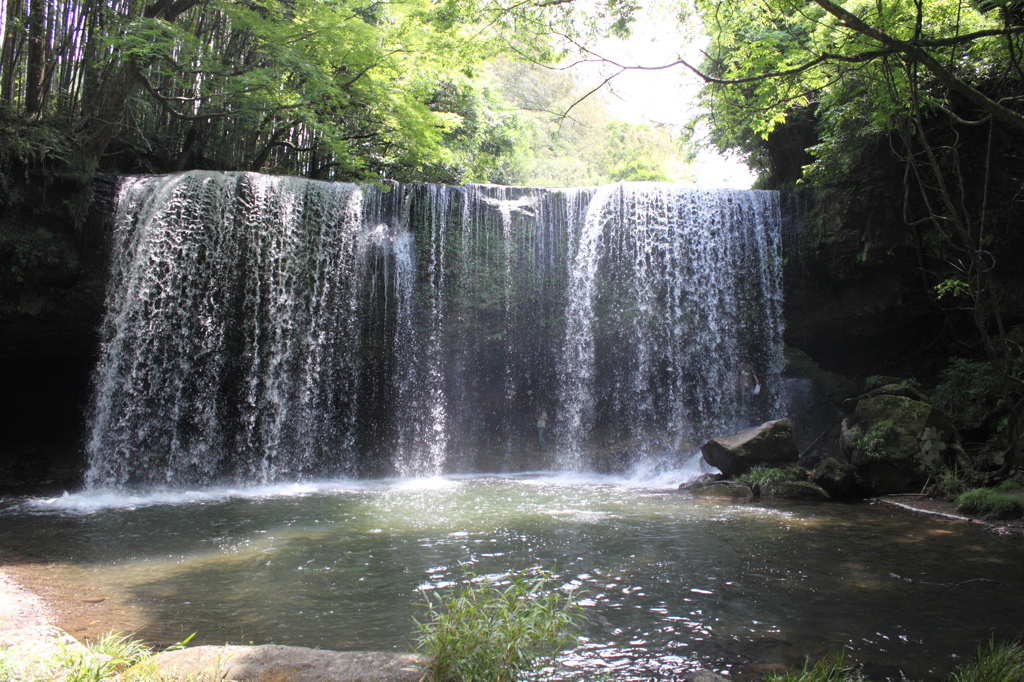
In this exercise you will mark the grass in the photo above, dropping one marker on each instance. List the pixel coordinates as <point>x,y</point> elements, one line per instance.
<point>990,501</point>
<point>831,669</point>
<point>115,656</point>
<point>998,662</point>
<point>492,631</point>
<point>1003,662</point>
<point>761,475</point>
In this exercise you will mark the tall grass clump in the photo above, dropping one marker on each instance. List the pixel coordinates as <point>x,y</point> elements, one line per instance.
<point>103,659</point>
<point>988,501</point>
<point>1002,662</point>
<point>494,631</point>
<point>826,670</point>
<point>760,476</point>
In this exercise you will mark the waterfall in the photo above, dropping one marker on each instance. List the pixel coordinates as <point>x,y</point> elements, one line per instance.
<point>263,328</point>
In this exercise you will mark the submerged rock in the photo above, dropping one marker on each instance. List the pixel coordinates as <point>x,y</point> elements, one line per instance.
<point>770,444</point>
<point>276,663</point>
<point>704,676</point>
<point>793,490</point>
<point>700,482</point>
<point>896,442</point>
<point>724,490</point>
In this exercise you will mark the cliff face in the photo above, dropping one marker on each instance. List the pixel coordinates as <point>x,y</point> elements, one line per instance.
<point>51,304</point>
<point>854,301</point>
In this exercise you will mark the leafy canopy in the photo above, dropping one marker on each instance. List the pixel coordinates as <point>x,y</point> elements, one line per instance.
<point>861,64</point>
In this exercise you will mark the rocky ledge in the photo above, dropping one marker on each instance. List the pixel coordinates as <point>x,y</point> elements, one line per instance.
<point>32,642</point>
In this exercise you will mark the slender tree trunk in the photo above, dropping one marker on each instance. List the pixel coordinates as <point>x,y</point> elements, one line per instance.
<point>9,55</point>
<point>36,66</point>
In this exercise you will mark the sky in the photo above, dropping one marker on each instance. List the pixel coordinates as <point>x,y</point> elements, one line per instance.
<point>666,96</point>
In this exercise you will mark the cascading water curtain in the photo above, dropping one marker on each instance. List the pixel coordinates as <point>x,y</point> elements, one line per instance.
<point>674,320</point>
<point>265,329</point>
<point>226,347</point>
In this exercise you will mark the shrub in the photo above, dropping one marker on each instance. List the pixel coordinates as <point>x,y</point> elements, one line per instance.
<point>983,501</point>
<point>484,630</point>
<point>995,663</point>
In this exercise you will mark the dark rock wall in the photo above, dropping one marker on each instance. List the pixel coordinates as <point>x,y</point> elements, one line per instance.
<point>49,319</point>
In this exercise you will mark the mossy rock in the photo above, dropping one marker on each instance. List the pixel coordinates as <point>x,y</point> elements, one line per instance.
<point>724,490</point>
<point>836,477</point>
<point>794,490</point>
<point>896,442</point>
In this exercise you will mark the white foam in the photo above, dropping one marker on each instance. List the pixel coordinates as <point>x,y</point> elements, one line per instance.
<point>88,501</point>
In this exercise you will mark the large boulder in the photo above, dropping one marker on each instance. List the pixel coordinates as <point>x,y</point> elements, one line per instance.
<point>276,663</point>
<point>896,443</point>
<point>770,444</point>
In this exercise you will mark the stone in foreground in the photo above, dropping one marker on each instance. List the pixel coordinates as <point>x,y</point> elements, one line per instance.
<point>276,663</point>
<point>770,444</point>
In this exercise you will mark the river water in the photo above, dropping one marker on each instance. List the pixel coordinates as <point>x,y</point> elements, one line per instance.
<point>667,583</point>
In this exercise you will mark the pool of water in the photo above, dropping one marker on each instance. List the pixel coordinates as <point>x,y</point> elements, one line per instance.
<point>667,583</point>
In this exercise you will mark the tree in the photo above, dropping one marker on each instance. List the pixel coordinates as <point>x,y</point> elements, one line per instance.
<point>572,139</point>
<point>941,83</point>
<point>330,89</point>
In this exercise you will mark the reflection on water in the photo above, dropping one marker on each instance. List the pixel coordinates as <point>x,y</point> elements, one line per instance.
<point>668,584</point>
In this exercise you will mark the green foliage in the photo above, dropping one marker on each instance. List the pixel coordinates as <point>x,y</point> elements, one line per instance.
<point>872,441</point>
<point>103,659</point>
<point>586,146</point>
<point>969,392</point>
<point>825,670</point>
<point>483,630</point>
<point>114,656</point>
<point>762,475</point>
<point>952,288</point>
<point>1009,487</point>
<point>782,56</point>
<point>995,663</point>
<point>951,484</point>
<point>986,501</point>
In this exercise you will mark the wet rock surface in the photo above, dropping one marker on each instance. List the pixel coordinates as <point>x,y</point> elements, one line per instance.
<point>276,663</point>
<point>769,444</point>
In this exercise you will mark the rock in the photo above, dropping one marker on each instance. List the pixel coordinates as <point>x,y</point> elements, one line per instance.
<point>793,490</point>
<point>724,490</point>
<point>895,443</point>
<point>30,650</point>
<point>901,388</point>
<point>879,380</point>
<point>770,444</point>
<point>704,676</point>
<point>836,477</point>
<point>700,481</point>
<point>276,663</point>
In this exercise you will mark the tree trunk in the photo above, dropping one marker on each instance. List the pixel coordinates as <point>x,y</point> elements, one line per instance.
<point>36,65</point>
<point>9,55</point>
